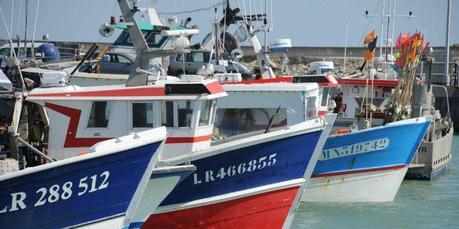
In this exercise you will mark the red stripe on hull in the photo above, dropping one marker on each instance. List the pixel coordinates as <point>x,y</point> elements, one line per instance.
<point>172,140</point>
<point>266,210</point>
<point>124,92</point>
<point>358,171</point>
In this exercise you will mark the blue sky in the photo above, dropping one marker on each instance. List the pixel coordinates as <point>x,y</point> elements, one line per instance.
<point>306,22</point>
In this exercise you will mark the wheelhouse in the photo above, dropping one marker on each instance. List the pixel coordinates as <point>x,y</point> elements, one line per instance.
<point>87,115</point>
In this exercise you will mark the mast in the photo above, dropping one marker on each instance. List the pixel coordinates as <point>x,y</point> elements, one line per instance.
<point>217,39</point>
<point>388,29</point>
<point>25,27</point>
<point>265,21</point>
<point>382,31</point>
<point>393,31</point>
<point>345,48</point>
<point>448,18</point>
<point>11,27</point>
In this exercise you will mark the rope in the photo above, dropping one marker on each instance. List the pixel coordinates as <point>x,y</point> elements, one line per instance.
<point>194,10</point>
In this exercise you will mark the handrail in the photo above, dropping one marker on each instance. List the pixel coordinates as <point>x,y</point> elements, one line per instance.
<point>447,98</point>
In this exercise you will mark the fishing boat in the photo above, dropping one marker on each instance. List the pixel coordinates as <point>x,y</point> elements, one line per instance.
<point>97,189</point>
<point>434,152</point>
<point>352,162</point>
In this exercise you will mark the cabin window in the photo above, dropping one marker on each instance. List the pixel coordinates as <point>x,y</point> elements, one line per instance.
<point>167,114</point>
<point>238,121</point>
<point>100,112</point>
<point>197,56</point>
<point>185,113</point>
<point>324,101</point>
<point>123,60</point>
<point>204,118</point>
<point>142,115</point>
<point>355,90</point>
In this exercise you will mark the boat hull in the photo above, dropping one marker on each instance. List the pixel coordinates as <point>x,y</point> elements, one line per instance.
<point>265,210</point>
<point>264,176</point>
<point>432,158</point>
<point>375,186</point>
<point>94,192</point>
<point>352,164</point>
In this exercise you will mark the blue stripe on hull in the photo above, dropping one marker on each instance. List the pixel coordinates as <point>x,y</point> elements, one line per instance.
<point>342,150</point>
<point>101,187</point>
<point>245,168</point>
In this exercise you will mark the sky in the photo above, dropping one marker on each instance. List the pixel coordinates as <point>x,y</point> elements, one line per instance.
<point>305,22</point>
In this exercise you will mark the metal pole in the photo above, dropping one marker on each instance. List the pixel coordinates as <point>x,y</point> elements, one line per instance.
<point>34,30</point>
<point>11,26</point>
<point>35,150</point>
<point>448,18</point>
<point>25,27</point>
<point>382,31</point>
<point>388,28</point>
<point>345,48</point>
<point>266,32</point>
<point>393,31</point>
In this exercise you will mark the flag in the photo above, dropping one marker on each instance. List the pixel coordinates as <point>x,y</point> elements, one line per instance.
<point>370,41</point>
<point>370,37</point>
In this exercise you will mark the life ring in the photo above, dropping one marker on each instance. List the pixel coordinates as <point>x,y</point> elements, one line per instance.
<point>341,131</point>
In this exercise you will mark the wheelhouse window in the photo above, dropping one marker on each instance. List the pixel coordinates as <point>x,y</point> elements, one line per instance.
<point>167,113</point>
<point>185,113</point>
<point>99,115</point>
<point>238,121</point>
<point>206,113</point>
<point>142,115</point>
<point>325,93</point>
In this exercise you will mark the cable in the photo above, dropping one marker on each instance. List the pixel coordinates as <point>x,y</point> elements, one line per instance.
<point>194,10</point>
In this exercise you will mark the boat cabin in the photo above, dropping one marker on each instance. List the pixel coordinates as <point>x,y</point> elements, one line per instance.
<point>273,103</point>
<point>83,116</point>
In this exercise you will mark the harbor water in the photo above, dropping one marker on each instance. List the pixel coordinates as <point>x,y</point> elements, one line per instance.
<point>418,204</point>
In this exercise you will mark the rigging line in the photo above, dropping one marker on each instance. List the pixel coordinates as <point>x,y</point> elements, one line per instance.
<point>14,52</point>
<point>194,10</point>
<point>368,23</point>
<point>271,13</point>
<point>250,7</point>
<point>11,15</point>
<point>261,7</point>
<point>245,12</point>
<point>35,29</point>
<point>19,18</point>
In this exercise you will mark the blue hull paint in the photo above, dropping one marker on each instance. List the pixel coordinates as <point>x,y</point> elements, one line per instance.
<point>403,141</point>
<point>292,155</point>
<point>109,196</point>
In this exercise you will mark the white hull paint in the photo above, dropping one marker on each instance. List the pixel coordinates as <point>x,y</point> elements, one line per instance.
<point>157,189</point>
<point>379,186</point>
<point>117,222</point>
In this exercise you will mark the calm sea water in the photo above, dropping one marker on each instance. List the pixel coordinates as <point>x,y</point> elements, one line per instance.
<point>418,204</point>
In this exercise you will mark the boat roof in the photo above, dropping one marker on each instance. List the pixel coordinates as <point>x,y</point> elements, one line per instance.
<point>160,90</point>
<point>323,80</point>
<point>271,87</point>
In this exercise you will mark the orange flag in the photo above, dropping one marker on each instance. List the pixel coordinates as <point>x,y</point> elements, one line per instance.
<point>370,37</point>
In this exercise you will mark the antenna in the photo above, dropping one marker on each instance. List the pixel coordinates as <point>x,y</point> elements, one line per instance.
<point>390,14</point>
